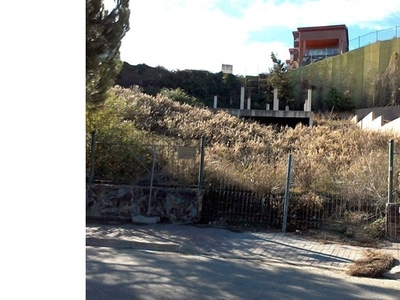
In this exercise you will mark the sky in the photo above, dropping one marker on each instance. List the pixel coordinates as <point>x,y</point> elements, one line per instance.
<point>204,34</point>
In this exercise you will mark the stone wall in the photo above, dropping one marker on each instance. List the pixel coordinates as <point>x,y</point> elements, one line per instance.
<point>125,202</point>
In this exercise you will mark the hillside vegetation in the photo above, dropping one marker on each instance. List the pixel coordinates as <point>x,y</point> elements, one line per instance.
<point>333,156</point>
<point>362,78</point>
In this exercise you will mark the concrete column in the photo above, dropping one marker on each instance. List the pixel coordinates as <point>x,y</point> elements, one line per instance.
<point>307,103</point>
<point>242,97</point>
<point>276,100</point>
<point>304,50</point>
<point>267,108</point>
<point>215,101</point>
<point>249,103</point>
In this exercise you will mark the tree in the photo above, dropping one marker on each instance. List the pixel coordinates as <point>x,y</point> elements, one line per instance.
<point>338,102</point>
<point>266,90</point>
<point>278,78</point>
<point>104,32</point>
<point>181,96</point>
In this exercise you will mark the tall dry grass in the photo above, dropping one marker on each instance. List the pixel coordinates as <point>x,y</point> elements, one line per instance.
<point>332,156</point>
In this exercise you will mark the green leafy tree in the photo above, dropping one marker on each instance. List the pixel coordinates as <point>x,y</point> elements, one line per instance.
<point>104,32</point>
<point>265,90</point>
<point>338,102</point>
<point>181,96</point>
<point>230,93</point>
<point>278,78</point>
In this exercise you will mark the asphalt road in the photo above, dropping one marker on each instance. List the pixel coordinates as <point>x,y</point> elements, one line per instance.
<point>136,274</point>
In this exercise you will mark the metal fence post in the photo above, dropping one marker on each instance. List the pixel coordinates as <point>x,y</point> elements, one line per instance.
<point>92,150</point>
<point>286,204</point>
<point>152,179</point>
<point>390,177</point>
<point>201,167</point>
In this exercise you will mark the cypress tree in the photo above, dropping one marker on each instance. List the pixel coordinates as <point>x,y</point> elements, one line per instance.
<point>104,32</point>
<point>278,78</point>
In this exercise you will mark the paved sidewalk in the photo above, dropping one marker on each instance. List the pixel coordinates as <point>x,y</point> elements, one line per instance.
<point>276,246</point>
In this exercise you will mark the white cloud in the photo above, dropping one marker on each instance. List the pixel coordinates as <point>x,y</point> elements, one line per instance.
<point>203,34</point>
<point>293,14</point>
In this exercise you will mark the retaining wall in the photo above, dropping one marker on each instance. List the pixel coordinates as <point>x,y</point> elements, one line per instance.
<point>379,118</point>
<point>353,74</point>
<point>124,202</point>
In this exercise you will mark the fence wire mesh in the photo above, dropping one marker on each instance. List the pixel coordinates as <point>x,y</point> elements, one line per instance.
<point>347,204</point>
<point>373,37</point>
<point>356,203</point>
<point>162,164</point>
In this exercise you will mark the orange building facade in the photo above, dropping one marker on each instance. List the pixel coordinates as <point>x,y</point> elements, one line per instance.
<point>312,44</point>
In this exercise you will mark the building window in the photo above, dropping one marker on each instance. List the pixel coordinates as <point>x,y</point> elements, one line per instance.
<point>322,52</point>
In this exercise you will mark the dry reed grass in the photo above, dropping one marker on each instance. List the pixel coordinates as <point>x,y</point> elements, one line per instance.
<point>334,155</point>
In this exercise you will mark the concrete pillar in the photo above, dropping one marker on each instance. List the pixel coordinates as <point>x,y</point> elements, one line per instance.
<point>242,97</point>
<point>309,96</point>
<point>276,100</point>
<point>267,108</point>
<point>215,101</point>
<point>249,103</point>
<point>307,103</point>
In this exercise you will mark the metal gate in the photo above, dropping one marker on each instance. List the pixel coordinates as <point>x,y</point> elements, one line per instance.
<point>229,207</point>
<point>393,205</point>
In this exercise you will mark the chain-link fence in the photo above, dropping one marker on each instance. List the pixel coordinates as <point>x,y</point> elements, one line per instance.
<point>355,203</point>
<point>158,165</point>
<point>373,37</point>
<point>353,206</point>
<point>306,210</point>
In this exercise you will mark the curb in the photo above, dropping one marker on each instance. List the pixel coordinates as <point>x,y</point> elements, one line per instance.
<point>166,247</point>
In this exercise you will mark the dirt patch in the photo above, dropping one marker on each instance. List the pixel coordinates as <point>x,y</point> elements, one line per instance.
<point>330,233</point>
<point>331,236</point>
<point>361,234</point>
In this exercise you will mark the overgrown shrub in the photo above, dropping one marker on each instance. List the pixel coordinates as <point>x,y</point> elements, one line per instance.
<point>181,96</point>
<point>376,229</point>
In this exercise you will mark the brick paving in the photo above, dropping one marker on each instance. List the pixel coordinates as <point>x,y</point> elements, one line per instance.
<point>289,248</point>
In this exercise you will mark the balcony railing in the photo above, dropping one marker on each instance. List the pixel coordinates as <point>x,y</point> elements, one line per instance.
<point>314,58</point>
